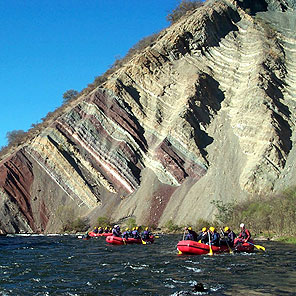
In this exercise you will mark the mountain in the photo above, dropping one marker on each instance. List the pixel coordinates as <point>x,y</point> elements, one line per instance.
<point>206,112</point>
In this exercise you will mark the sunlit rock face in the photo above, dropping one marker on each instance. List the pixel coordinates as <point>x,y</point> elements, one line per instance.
<point>206,112</point>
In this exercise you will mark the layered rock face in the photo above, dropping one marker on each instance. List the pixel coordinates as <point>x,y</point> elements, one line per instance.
<point>207,112</point>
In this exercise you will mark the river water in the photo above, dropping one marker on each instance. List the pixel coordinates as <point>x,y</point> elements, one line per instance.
<point>65,265</point>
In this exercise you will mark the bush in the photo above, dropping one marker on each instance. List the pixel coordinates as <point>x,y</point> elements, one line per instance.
<point>273,214</point>
<point>171,227</point>
<point>78,225</point>
<point>202,223</point>
<point>182,8</point>
<point>225,211</point>
<point>69,94</point>
<point>15,136</point>
<point>131,222</point>
<point>103,221</point>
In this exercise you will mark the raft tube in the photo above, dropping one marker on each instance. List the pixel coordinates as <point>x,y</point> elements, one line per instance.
<point>92,234</point>
<point>193,247</point>
<point>243,247</point>
<point>114,240</point>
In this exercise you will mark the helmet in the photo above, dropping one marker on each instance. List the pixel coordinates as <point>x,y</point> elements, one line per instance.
<point>115,226</point>
<point>126,229</point>
<point>242,225</point>
<point>137,228</point>
<point>189,228</point>
<point>134,228</point>
<point>212,229</point>
<point>146,228</point>
<point>204,229</point>
<point>226,229</point>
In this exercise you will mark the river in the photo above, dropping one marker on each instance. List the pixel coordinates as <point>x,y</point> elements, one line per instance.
<point>65,265</point>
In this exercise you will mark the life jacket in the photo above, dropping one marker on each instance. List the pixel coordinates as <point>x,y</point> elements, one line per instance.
<point>125,234</point>
<point>116,232</point>
<point>245,233</point>
<point>135,234</point>
<point>146,234</point>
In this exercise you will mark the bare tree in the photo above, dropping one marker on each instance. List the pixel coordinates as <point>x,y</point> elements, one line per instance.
<point>69,94</point>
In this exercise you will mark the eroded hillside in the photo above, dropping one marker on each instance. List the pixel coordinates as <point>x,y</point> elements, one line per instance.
<point>207,112</point>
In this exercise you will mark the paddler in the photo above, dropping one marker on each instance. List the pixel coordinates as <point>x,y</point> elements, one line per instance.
<point>191,234</point>
<point>203,237</point>
<point>229,237</point>
<point>101,230</point>
<point>126,233</point>
<point>244,235</point>
<point>95,230</point>
<point>135,233</point>
<point>146,233</point>
<point>116,231</point>
<point>215,237</point>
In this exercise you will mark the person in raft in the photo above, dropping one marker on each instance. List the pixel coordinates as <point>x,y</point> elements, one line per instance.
<point>229,237</point>
<point>244,235</point>
<point>126,233</point>
<point>203,236</point>
<point>116,231</point>
<point>101,230</point>
<point>135,233</point>
<point>146,233</point>
<point>191,234</point>
<point>215,237</point>
<point>95,230</point>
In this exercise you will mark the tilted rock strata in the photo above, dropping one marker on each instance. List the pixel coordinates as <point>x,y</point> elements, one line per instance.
<point>204,113</point>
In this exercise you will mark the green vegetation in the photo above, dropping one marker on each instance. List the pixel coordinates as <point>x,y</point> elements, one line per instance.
<point>287,239</point>
<point>103,221</point>
<point>131,222</point>
<point>69,95</point>
<point>202,223</point>
<point>273,215</point>
<point>182,9</point>
<point>171,227</point>
<point>70,222</point>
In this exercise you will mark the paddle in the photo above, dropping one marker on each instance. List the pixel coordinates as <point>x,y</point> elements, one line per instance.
<point>179,252</point>
<point>230,250</point>
<point>261,248</point>
<point>211,251</point>
<point>143,242</point>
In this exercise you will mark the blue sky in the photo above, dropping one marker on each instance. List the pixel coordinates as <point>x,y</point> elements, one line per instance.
<point>50,46</point>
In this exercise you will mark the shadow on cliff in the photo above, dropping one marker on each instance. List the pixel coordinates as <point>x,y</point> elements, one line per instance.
<point>280,112</point>
<point>202,107</point>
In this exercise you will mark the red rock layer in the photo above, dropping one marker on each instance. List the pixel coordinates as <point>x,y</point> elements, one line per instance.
<point>16,178</point>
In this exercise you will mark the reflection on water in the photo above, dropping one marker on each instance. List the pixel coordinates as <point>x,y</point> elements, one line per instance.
<point>64,265</point>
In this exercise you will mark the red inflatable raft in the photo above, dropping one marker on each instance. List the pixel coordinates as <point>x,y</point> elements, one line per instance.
<point>114,240</point>
<point>193,247</point>
<point>243,247</point>
<point>92,234</point>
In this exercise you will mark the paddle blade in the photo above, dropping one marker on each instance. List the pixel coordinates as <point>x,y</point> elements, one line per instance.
<point>261,248</point>
<point>211,252</point>
<point>179,252</point>
<point>143,242</point>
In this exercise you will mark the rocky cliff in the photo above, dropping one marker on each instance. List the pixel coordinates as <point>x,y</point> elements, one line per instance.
<point>206,112</point>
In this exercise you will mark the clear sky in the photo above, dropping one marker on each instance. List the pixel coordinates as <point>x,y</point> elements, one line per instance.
<point>50,46</point>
